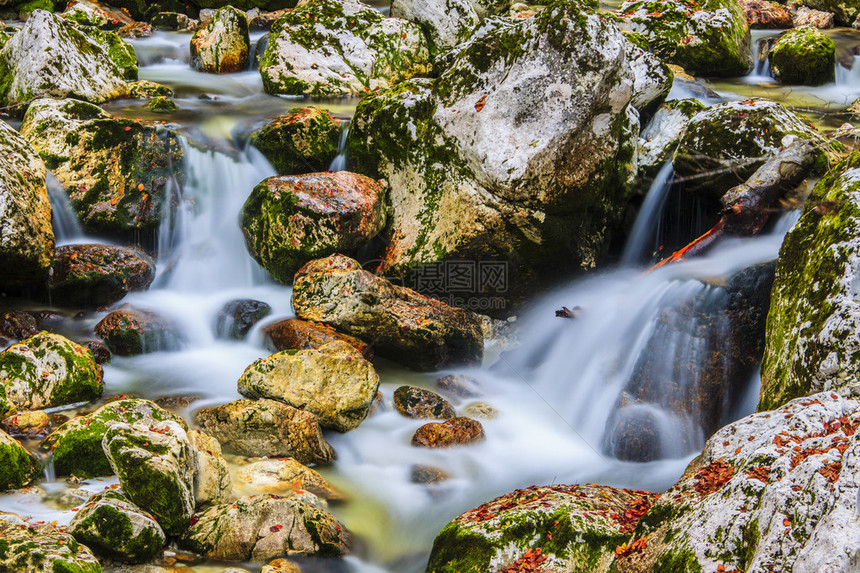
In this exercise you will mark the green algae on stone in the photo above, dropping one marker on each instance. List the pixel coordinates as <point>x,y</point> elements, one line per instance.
<point>803,56</point>
<point>77,444</point>
<point>115,528</point>
<point>48,370</point>
<point>811,341</point>
<point>305,140</point>
<point>17,466</point>
<point>710,38</point>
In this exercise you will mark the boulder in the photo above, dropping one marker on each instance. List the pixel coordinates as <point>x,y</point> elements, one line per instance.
<point>265,527</point>
<point>446,23</point>
<point>809,17</point>
<point>762,14</point>
<point>724,144</point>
<point>172,22</point>
<point>803,56</point>
<point>710,38</point>
<point>101,353</point>
<point>17,466</point>
<point>155,465</point>
<point>419,403</point>
<point>333,48</point>
<point>290,220</point>
<point>296,334</point>
<point>521,152</point>
<point>91,13</point>
<point>812,341</point>
<point>18,325</point>
<point>130,331</point>
<point>161,104</point>
<point>53,58</point>
<point>284,476</point>
<point>120,52</point>
<point>135,30</point>
<point>266,428</point>
<point>145,89</point>
<point>417,331</point>
<point>661,134</point>
<point>454,432</point>
<point>222,46</point>
<point>117,172</point>
<point>92,275</point>
<point>845,13</point>
<point>212,483</point>
<point>550,528</point>
<point>77,445</point>
<point>33,551</point>
<point>237,317</point>
<point>305,140</point>
<point>774,491</point>
<point>272,5</point>
<point>481,411</point>
<point>115,528</point>
<point>26,234</point>
<point>652,80</point>
<point>334,382</point>
<point>48,370</point>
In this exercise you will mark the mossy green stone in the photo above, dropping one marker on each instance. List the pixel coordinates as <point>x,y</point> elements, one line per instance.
<point>305,140</point>
<point>17,466</point>
<point>162,104</point>
<point>803,56</point>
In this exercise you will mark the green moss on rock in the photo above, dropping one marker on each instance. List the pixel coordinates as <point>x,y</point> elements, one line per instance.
<point>305,140</point>
<point>803,56</point>
<point>17,466</point>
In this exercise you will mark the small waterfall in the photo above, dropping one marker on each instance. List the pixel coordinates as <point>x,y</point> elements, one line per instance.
<point>760,57</point>
<point>64,220</point>
<point>339,162</point>
<point>849,77</point>
<point>644,229</point>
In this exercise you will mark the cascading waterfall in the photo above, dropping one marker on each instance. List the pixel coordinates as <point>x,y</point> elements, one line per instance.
<point>339,162</point>
<point>63,219</point>
<point>645,227</point>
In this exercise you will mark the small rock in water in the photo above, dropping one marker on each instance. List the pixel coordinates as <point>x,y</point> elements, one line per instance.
<point>237,317</point>
<point>101,353</point>
<point>135,30</point>
<point>305,140</point>
<point>297,334</point>
<point>285,475</point>
<point>130,331</point>
<point>481,411</point>
<point>222,45</point>
<point>18,325</point>
<point>281,566</point>
<point>419,403</point>
<point>459,385</point>
<point>456,431</point>
<point>143,89</point>
<point>162,104</point>
<point>27,424</point>
<point>427,475</point>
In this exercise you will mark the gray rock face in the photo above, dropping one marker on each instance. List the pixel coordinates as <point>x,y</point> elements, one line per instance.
<point>265,527</point>
<point>417,331</point>
<point>266,428</point>
<point>26,235</point>
<point>114,527</point>
<point>51,57</point>
<point>334,382</point>
<point>155,465</point>
<point>330,48</point>
<point>525,144</point>
<point>212,483</point>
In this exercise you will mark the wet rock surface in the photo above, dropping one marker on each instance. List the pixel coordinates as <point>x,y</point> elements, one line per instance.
<point>305,140</point>
<point>419,403</point>
<point>237,317</point>
<point>454,432</point>
<point>296,334</point>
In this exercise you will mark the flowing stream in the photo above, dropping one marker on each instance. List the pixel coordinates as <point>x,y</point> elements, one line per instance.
<point>556,394</point>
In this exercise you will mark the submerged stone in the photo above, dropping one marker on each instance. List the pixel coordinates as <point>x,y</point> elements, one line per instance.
<point>26,236</point>
<point>803,56</point>
<point>118,173</point>
<point>265,527</point>
<point>454,432</point>
<point>77,445</point>
<point>305,140</point>
<point>53,58</point>
<point>116,528</point>
<point>223,45</point>
<point>48,370</point>
<point>330,48</point>
<point>237,317</point>
<point>92,275</point>
<point>419,332</point>
<point>130,331</point>
<point>284,476</point>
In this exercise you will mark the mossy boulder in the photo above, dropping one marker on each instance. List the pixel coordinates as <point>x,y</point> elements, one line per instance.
<point>17,466</point>
<point>554,528</point>
<point>803,56</point>
<point>118,50</point>
<point>48,370</point>
<point>812,341</point>
<point>330,48</point>
<point>92,275</point>
<point>27,239</point>
<point>77,445</point>
<point>257,428</point>
<point>334,382</point>
<point>284,476</point>
<point>724,144</point>
<point>145,89</point>
<point>23,548</point>
<point>264,527</point>
<point>522,151</point>
<point>117,172</point>
<point>172,22</point>
<point>709,38</point>
<point>116,528</point>
<point>50,57</point>
<point>237,317</point>
<point>770,492</point>
<point>162,104</point>
<point>290,220</point>
<point>222,45</point>
<point>419,403</point>
<point>419,332</point>
<point>297,334</point>
<point>130,331</point>
<point>247,4</point>
<point>652,80</point>
<point>305,140</point>
<point>155,465</point>
<point>661,134</point>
